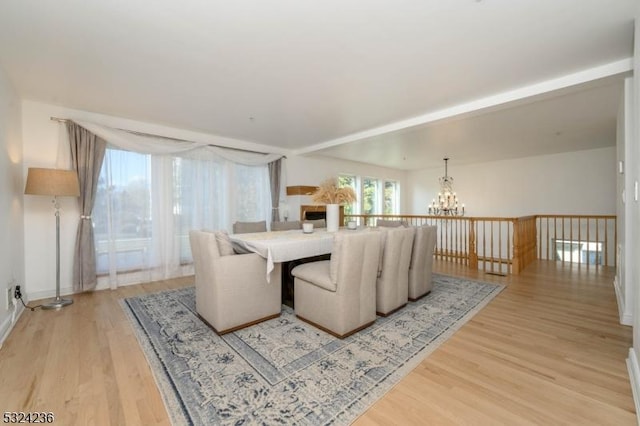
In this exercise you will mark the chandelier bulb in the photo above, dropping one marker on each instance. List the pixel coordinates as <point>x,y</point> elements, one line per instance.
<point>448,202</point>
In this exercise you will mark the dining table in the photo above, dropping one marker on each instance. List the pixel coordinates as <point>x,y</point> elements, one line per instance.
<point>284,246</point>
<point>290,248</point>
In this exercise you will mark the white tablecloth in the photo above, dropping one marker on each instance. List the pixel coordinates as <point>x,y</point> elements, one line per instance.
<point>283,246</point>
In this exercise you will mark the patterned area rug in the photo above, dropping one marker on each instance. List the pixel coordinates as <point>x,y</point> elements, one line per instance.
<point>285,371</point>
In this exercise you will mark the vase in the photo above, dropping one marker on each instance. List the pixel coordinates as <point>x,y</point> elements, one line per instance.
<point>333,217</point>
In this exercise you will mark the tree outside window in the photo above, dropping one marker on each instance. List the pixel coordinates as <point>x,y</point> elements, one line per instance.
<point>349,180</point>
<point>370,195</point>
<point>390,197</point>
<point>376,196</point>
<point>145,206</point>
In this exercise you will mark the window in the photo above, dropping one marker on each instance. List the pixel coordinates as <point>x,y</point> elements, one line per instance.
<point>375,196</point>
<point>370,195</point>
<point>579,251</point>
<point>391,197</point>
<point>349,180</point>
<point>251,194</point>
<point>146,204</point>
<point>122,211</point>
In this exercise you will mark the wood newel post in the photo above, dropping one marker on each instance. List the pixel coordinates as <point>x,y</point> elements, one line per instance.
<point>473,254</point>
<point>516,263</point>
<point>534,241</point>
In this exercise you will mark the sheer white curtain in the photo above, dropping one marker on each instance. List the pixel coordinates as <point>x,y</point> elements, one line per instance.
<point>165,146</point>
<point>147,203</point>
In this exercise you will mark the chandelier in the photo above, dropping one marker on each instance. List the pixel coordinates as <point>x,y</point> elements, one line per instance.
<point>447,203</point>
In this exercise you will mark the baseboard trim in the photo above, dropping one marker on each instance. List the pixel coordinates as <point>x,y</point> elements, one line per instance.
<point>7,325</point>
<point>46,294</point>
<point>625,317</point>
<point>102,284</point>
<point>634,378</point>
<point>64,291</point>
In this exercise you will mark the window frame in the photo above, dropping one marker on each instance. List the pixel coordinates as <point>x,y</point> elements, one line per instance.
<point>379,193</point>
<point>395,209</point>
<point>356,188</point>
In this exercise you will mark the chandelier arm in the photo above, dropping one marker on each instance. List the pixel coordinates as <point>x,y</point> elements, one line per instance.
<point>448,202</point>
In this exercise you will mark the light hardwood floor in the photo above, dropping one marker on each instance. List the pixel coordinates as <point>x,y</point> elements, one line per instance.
<point>547,350</point>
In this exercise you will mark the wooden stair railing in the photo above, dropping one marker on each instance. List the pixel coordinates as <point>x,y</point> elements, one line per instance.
<point>502,245</point>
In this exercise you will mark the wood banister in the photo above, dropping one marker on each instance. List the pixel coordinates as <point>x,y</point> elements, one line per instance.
<point>473,254</point>
<point>509,244</point>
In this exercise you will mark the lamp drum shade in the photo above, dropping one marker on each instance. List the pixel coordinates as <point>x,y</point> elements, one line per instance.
<point>55,182</point>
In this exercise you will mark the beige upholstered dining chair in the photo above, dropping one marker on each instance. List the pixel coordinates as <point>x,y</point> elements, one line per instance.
<point>339,295</point>
<point>391,223</point>
<point>317,223</point>
<point>247,227</point>
<point>392,287</point>
<point>286,226</point>
<point>232,291</point>
<point>421,268</point>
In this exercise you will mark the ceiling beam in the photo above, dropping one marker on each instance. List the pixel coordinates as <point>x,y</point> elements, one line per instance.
<point>483,104</point>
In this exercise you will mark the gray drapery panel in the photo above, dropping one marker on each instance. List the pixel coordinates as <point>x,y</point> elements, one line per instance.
<point>275,170</point>
<point>87,153</point>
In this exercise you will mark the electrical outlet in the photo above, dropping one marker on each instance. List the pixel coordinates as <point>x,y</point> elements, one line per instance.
<point>9,303</point>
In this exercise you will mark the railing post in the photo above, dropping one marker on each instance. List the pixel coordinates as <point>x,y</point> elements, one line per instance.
<point>516,261</point>
<point>473,254</point>
<point>533,241</point>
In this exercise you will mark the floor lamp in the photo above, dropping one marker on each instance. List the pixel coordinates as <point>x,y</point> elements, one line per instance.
<point>55,183</point>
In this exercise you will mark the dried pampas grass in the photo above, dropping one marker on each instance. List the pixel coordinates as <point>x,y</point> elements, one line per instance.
<point>330,193</point>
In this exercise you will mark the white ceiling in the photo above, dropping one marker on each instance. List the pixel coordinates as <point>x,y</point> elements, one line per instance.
<point>374,81</point>
<point>566,120</point>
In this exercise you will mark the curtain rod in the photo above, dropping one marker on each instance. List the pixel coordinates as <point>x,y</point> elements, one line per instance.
<point>65,120</point>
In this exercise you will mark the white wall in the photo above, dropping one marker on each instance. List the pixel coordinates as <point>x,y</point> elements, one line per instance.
<point>11,188</point>
<point>41,149</point>
<point>632,219</point>
<point>40,143</point>
<point>581,182</point>
<point>623,287</point>
<point>311,170</point>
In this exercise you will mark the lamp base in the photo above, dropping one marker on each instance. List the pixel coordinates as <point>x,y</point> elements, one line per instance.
<point>57,303</point>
